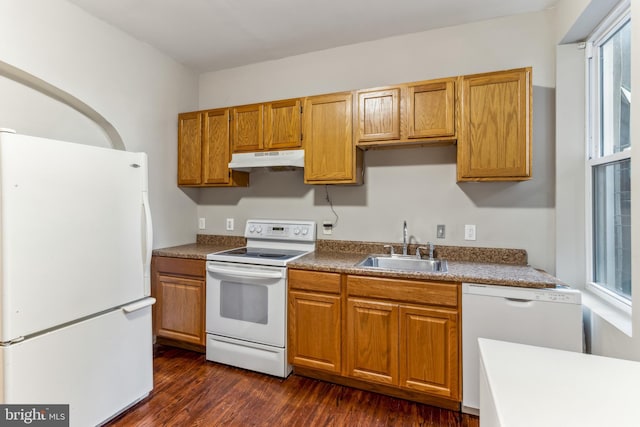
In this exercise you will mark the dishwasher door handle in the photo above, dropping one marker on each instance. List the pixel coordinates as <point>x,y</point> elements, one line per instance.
<point>519,302</point>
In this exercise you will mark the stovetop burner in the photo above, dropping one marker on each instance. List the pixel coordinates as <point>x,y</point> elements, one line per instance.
<point>271,242</point>
<point>262,253</point>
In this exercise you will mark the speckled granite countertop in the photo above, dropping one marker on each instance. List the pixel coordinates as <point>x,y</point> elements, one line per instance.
<point>493,266</point>
<point>459,271</point>
<point>507,267</point>
<point>205,244</point>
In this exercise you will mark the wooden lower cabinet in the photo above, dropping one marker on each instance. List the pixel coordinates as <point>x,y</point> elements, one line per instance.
<point>429,350</point>
<point>179,286</point>
<point>407,346</point>
<point>393,336</point>
<point>372,341</point>
<point>315,331</point>
<point>314,310</point>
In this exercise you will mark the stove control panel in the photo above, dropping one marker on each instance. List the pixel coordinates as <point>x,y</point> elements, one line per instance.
<point>281,230</point>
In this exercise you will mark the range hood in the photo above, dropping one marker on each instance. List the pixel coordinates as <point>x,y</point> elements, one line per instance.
<point>284,160</point>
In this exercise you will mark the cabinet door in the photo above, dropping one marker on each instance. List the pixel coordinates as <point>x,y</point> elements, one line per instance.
<point>247,128</point>
<point>372,341</point>
<point>429,358</point>
<point>314,331</point>
<point>180,309</point>
<point>282,124</point>
<point>494,143</point>
<point>216,151</point>
<point>328,139</point>
<point>189,149</point>
<point>379,115</point>
<point>431,109</point>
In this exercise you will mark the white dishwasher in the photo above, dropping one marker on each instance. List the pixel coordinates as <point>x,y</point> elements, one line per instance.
<point>542,317</point>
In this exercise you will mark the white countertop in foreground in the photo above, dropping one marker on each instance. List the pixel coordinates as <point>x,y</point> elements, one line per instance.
<point>523,386</point>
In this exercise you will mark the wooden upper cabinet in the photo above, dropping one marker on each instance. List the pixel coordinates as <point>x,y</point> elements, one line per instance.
<point>421,112</point>
<point>204,150</point>
<point>247,128</point>
<point>330,156</point>
<point>379,114</point>
<point>494,141</point>
<point>190,148</point>
<point>431,109</point>
<point>216,150</point>
<point>283,124</point>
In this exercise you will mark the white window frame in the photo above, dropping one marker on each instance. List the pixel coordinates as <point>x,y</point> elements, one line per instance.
<point>614,21</point>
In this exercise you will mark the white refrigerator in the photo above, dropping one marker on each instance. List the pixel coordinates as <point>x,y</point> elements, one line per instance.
<point>75,251</point>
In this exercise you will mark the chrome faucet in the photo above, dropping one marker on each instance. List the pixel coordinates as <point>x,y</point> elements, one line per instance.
<point>404,238</point>
<point>429,248</point>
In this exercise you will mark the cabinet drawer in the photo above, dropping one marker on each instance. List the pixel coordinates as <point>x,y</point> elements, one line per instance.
<point>314,281</point>
<point>180,266</point>
<point>419,292</point>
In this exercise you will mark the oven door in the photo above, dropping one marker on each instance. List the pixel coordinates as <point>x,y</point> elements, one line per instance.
<point>247,302</point>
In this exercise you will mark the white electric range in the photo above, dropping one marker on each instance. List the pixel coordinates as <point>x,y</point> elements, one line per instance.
<point>246,316</point>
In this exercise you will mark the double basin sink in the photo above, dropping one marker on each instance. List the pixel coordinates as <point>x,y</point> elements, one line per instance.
<point>403,263</point>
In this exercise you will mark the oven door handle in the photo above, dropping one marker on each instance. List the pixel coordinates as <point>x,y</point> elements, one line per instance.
<point>245,273</point>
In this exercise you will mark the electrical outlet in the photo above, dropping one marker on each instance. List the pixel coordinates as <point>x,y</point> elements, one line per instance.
<point>230,224</point>
<point>327,227</point>
<point>469,232</point>
<point>202,223</point>
<point>440,231</point>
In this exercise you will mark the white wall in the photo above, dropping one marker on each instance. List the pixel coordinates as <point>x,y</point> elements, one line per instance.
<point>137,89</point>
<point>30,112</point>
<point>570,166</point>
<point>576,19</point>
<point>416,184</point>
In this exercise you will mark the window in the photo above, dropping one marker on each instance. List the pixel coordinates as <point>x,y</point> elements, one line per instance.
<point>609,159</point>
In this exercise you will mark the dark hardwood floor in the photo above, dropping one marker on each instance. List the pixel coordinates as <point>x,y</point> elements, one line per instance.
<point>189,391</point>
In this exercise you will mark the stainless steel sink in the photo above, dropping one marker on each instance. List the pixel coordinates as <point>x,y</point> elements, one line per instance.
<point>403,263</point>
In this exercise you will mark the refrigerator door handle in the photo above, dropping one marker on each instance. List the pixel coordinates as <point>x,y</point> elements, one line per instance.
<point>138,305</point>
<point>148,242</point>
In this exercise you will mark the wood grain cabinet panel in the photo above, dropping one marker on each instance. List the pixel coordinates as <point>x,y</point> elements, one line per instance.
<point>420,112</point>
<point>330,156</point>
<point>379,115</point>
<point>315,331</point>
<point>247,128</point>
<point>318,281</point>
<point>204,150</point>
<point>372,341</point>
<point>431,109</point>
<point>216,150</point>
<point>429,351</point>
<point>179,286</point>
<point>283,124</point>
<point>181,315</point>
<point>189,148</point>
<point>392,340</point>
<point>495,135</point>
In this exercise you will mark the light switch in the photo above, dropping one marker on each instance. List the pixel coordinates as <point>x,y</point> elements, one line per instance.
<point>202,223</point>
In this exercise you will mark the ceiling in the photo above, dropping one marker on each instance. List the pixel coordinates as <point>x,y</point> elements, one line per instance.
<point>209,35</point>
